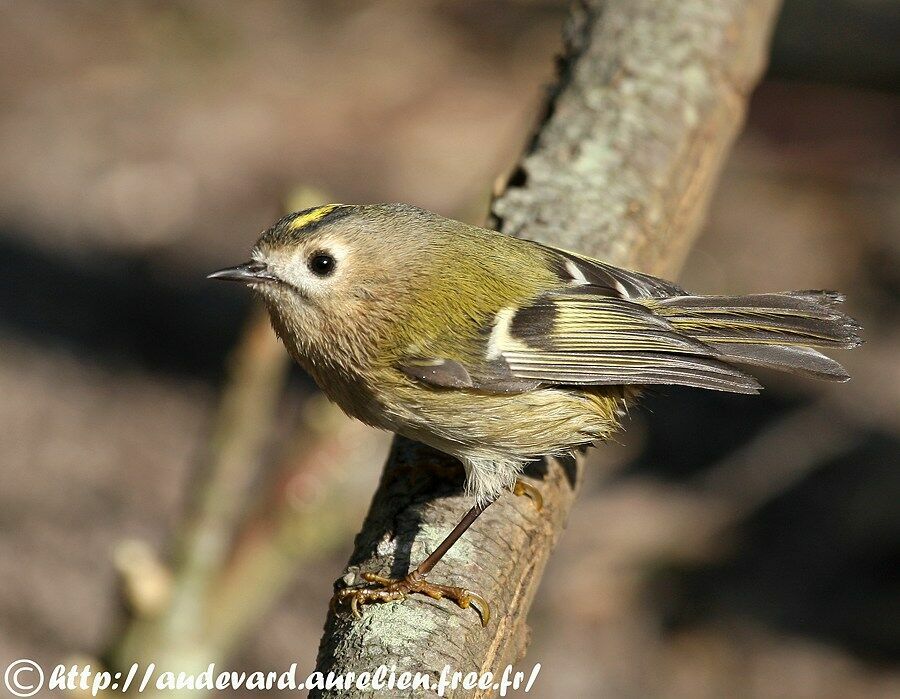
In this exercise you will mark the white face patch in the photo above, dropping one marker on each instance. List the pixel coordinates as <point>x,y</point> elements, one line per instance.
<point>292,265</point>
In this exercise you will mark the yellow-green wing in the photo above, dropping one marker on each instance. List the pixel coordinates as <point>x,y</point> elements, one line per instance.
<point>591,339</point>
<point>583,337</point>
<point>602,325</point>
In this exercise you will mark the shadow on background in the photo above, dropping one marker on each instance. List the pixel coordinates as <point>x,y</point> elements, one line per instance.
<point>121,309</point>
<point>820,559</point>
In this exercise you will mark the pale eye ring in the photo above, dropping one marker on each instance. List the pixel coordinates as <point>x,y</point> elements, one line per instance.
<point>321,263</point>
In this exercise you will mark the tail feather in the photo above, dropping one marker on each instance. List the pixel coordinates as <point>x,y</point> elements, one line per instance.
<point>777,330</point>
<point>796,360</point>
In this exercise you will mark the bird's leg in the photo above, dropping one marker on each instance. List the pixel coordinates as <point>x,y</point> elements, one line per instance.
<point>533,494</point>
<point>389,590</point>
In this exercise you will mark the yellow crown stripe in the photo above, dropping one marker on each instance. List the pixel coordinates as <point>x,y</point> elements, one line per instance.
<point>312,216</point>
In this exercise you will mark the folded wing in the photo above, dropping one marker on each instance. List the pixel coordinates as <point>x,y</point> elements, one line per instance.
<point>609,326</point>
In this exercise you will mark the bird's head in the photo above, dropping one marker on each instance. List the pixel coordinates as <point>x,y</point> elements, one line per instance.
<point>335,274</point>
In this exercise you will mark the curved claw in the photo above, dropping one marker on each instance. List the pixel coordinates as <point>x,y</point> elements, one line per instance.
<point>395,590</point>
<point>523,488</point>
<point>479,603</point>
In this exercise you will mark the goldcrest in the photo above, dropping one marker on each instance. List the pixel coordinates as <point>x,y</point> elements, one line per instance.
<point>498,350</point>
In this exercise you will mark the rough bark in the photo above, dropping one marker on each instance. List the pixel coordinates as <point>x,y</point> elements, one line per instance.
<point>650,96</point>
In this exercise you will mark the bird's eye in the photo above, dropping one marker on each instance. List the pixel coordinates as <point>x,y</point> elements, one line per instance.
<point>321,264</point>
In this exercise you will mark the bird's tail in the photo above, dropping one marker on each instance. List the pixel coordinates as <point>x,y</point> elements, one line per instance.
<point>778,330</point>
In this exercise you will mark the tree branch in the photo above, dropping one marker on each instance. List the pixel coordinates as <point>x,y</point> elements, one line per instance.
<point>651,94</point>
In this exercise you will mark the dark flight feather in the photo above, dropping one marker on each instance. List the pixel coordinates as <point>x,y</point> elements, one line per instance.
<point>445,373</point>
<point>573,268</point>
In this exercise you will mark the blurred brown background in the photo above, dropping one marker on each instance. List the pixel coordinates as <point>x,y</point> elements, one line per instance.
<point>725,547</point>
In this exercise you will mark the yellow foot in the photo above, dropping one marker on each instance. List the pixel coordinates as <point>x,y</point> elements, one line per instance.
<point>523,488</point>
<point>388,590</point>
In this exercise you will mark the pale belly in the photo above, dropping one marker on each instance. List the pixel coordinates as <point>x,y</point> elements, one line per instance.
<point>494,435</point>
<point>508,426</point>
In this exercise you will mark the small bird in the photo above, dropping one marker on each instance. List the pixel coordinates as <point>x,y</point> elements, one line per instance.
<point>500,351</point>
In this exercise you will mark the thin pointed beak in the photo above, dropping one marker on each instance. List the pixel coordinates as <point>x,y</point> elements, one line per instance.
<point>248,273</point>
